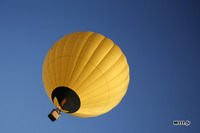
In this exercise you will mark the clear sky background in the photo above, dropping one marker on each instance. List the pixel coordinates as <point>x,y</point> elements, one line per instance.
<point>160,38</point>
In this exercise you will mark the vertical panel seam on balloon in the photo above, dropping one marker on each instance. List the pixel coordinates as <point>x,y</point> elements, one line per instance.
<point>52,56</point>
<point>62,59</point>
<point>121,67</point>
<point>100,63</point>
<point>65,73</point>
<point>105,83</point>
<point>80,54</point>
<point>56,47</point>
<point>90,62</point>
<point>44,75</point>
<point>65,45</point>
<point>76,38</point>
<point>99,69</point>
<point>102,59</point>
<point>50,71</point>
<point>109,80</point>
<point>72,56</point>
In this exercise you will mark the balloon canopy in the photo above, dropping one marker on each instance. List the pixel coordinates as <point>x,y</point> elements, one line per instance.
<point>85,74</point>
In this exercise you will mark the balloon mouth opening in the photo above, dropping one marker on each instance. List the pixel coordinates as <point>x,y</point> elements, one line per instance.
<point>68,100</point>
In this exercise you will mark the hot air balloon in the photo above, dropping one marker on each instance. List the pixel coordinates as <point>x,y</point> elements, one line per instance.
<point>85,75</point>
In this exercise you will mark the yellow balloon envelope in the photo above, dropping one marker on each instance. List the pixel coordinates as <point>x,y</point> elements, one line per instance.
<point>85,74</point>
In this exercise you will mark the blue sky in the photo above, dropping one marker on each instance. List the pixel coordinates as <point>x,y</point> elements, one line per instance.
<point>160,38</point>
